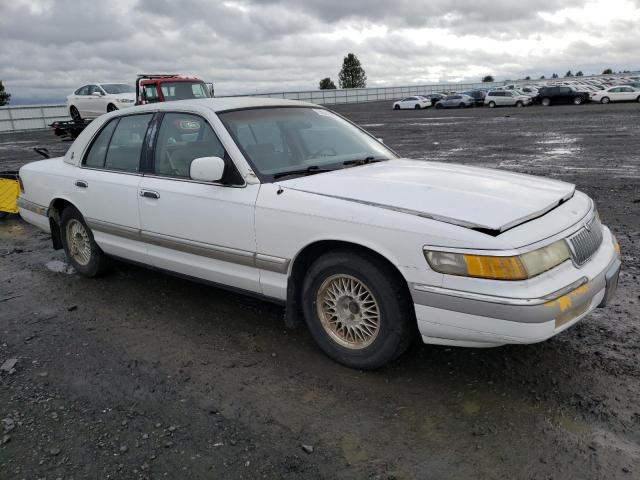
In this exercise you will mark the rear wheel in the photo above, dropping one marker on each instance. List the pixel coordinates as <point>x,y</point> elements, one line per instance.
<point>81,249</point>
<point>519,104</point>
<point>578,100</point>
<point>75,114</point>
<point>461,105</point>
<point>638,99</point>
<point>357,310</point>
<point>546,101</point>
<point>417,107</point>
<point>492,104</point>
<point>111,108</point>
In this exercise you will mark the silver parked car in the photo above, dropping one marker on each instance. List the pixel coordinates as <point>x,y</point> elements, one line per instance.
<point>498,98</point>
<point>458,100</point>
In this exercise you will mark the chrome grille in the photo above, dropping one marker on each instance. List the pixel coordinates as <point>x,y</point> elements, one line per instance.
<point>586,241</point>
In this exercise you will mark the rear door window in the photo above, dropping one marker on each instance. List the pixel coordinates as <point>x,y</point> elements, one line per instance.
<point>98,151</point>
<point>126,142</point>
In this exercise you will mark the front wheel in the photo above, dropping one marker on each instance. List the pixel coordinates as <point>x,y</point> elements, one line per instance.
<point>111,108</point>
<point>81,249</point>
<point>356,309</point>
<point>546,102</point>
<point>492,104</point>
<point>438,106</point>
<point>417,107</point>
<point>396,107</point>
<point>577,100</point>
<point>605,100</point>
<point>519,104</point>
<point>638,99</point>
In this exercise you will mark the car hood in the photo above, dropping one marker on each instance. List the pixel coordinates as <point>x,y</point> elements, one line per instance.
<point>488,200</point>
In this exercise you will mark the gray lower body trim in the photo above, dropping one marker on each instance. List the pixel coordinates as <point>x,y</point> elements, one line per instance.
<point>537,310</point>
<point>31,206</point>
<point>216,252</point>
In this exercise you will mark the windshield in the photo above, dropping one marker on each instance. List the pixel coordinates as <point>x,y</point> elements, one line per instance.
<point>117,88</point>
<point>183,90</point>
<point>299,139</point>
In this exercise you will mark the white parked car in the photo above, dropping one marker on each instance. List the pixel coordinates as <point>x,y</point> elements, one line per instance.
<point>292,202</point>
<point>91,101</point>
<point>500,98</point>
<point>417,102</point>
<point>619,93</point>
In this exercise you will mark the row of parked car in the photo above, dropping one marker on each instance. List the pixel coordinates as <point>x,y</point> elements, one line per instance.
<point>566,92</point>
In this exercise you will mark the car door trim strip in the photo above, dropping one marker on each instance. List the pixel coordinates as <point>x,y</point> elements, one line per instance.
<point>216,252</point>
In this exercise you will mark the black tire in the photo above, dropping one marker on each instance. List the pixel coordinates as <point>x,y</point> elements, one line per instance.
<point>545,102</point>
<point>461,105</point>
<point>578,100</point>
<point>4,214</point>
<point>396,107</point>
<point>111,108</point>
<point>638,99</point>
<point>98,262</point>
<point>417,107</point>
<point>519,104</point>
<point>397,325</point>
<point>605,100</point>
<point>75,114</point>
<point>492,104</point>
<point>438,106</point>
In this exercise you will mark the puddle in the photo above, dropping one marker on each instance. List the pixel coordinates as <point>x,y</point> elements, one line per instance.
<point>58,266</point>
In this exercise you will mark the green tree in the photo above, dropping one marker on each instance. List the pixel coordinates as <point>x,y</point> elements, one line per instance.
<point>487,79</point>
<point>352,74</point>
<point>607,71</point>
<point>542,77</point>
<point>327,84</point>
<point>568,74</point>
<point>555,75</point>
<point>579,73</point>
<point>4,96</point>
<point>527,77</point>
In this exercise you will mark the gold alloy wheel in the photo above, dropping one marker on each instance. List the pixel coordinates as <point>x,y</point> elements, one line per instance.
<point>78,242</point>
<point>348,311</point>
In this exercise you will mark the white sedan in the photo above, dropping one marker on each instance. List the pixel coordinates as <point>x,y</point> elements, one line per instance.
<point>616,94</point>
<point>292,202</point>
<point>91,101</point>
<point>416,103</point>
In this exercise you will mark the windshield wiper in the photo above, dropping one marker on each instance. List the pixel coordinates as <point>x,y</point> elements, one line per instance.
<point>362,161</point>
<point>304,171</point>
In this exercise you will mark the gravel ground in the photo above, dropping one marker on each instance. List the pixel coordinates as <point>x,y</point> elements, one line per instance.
<point>143,375</point>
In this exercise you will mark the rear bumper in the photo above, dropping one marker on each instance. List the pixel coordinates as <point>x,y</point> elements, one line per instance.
<point>451,317</point>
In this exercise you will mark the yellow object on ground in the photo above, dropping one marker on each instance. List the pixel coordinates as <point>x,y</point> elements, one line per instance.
<point>9,191</point>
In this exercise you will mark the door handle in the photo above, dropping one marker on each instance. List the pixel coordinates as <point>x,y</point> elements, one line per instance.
<point>82,184</point>
<point>149,194</point>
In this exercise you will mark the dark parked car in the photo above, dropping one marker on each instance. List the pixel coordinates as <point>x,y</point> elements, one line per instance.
<point>477,95</point>
<point>434,97</point>
<point>562,94</point>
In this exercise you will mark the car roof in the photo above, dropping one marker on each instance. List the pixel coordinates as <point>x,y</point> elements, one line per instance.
<point>221,104</point>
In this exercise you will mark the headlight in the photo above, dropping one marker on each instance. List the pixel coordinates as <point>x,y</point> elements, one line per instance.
<point>518,267</point>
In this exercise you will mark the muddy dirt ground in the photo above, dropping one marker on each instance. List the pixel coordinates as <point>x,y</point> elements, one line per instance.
<point>142,375</point>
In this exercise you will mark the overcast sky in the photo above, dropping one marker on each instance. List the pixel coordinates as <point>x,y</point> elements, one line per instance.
<point>50,47</point>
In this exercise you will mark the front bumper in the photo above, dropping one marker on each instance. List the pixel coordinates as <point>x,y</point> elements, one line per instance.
<point>452,317</point>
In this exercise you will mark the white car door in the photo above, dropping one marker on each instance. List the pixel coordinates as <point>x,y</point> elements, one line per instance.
<point>628,93</point>
<point>95,101</point>
<point>203,230</point>
<point>106,186</point>
<point>81,101</point>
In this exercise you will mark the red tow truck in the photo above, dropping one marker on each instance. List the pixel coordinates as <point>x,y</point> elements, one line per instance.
<point>150,88</point>
<point>167,87</point>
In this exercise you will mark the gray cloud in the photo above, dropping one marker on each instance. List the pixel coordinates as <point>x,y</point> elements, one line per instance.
<point>49,47</point>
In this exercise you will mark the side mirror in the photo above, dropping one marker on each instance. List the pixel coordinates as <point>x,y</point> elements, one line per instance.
<point>207,169</point>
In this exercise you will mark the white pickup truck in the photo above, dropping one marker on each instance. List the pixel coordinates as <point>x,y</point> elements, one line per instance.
<point>292,202</point>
